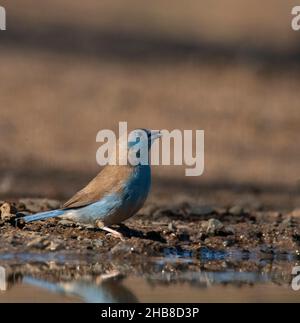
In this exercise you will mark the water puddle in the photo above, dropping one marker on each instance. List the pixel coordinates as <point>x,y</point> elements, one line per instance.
<point>176,277</point>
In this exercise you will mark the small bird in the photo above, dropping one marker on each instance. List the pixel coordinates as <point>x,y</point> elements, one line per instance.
<point>116,193</point>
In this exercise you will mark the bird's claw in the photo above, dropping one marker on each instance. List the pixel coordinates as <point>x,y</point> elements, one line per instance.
<point>117,235</point>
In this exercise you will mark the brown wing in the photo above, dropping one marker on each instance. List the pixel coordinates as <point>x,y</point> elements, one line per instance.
<point>107,181</point>
<point>82,198</point>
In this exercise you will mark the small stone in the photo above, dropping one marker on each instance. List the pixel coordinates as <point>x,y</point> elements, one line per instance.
<point>21,206</point>
<point>228,230</point>
<point>214,226</point>
<point>32,205</point>
<point>288,221</point>
<point>16,240</point>
<point>7,211</point>
<point>122,248</point>
<point>236,210</point>
<point>296,237</point>
<point>258,234</point>
<point>201,210</point>
<point>228,242</point>
<point>53,204</point>
<point>66,223</point>
<point>98,243</point>
<point>173,235</point>
<point>201,236</point>
<point>172,226</point>
<point>184,236</point>
<point>55,245</point>
<point>252,218</point>
<point>38,243</point>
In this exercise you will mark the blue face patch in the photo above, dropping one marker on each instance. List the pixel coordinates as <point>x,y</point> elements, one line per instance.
<point>133,143</point>
<point>139,136</point>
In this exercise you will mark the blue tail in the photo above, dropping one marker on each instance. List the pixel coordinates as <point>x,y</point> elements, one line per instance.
<point>43,215</point>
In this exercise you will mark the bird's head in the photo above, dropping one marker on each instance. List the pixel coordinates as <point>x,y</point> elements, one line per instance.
<point>137,144</point>
<point>143,138</point>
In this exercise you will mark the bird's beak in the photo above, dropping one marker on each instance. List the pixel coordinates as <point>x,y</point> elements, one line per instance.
<point>155,134</point>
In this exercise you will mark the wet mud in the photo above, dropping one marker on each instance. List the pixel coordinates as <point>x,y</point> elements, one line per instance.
<point>157,231</point>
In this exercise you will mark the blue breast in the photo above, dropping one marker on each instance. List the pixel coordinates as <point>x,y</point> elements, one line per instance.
<point>137,187</point>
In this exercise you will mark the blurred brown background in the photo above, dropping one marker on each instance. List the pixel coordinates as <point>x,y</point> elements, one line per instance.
<point>70,68</point>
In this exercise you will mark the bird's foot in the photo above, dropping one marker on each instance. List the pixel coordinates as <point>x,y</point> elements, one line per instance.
<point>114,233</point>
<point>110,231</point>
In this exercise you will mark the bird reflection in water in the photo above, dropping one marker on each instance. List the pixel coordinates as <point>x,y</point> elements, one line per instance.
<point>105,288</point>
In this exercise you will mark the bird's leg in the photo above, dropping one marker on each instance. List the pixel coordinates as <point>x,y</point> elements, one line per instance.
<point>113,232</point>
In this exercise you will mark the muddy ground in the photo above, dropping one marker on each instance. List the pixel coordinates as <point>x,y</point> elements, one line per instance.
<point>156,231</point>
<point>165,245</point>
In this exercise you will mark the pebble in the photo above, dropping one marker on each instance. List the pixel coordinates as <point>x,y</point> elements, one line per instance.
<point>33,205</point>
<point>122,248</point>
<point>172,226</point>
<point>7,211</point>
<point>55,245</point>
<point>229,230</point>
<point>288,221</point>
<point>214,226</point>
<point>66,223</point>
<point>39,243</point>
<point>296,237</point>
<point>53,204</point>
<point>98,243</point>
<point>201,210</point>
<point>228,242</point>
<point>236,210</point>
